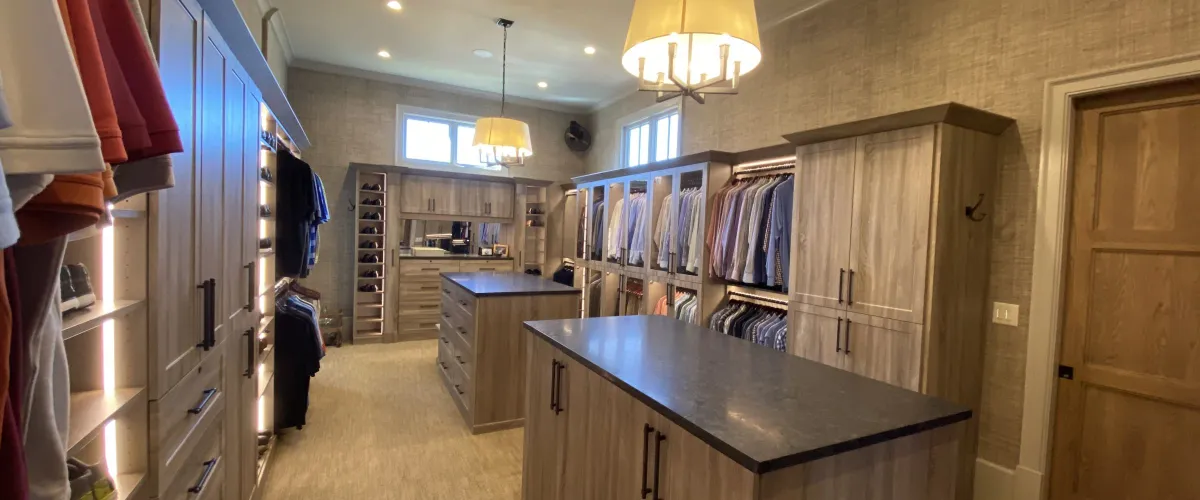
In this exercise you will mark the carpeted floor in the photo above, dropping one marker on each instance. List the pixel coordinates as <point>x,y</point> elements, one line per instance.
<point>382,427</point>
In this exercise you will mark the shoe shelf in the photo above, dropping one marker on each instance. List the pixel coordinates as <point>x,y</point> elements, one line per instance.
<point>367,323</point>
<point>79,322</point>
<point>533,237</point>
<point>129,485</point>
<point>90,410</point>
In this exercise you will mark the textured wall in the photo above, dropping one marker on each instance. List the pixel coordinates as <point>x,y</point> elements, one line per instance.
<point>353,119</point>
<point>854,59</point>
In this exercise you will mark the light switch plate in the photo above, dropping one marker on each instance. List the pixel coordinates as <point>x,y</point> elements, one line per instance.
<point>1005,314</point>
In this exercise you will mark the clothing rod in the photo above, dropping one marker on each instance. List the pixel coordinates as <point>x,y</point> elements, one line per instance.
<point>759,297</point>
<point>768,168</point>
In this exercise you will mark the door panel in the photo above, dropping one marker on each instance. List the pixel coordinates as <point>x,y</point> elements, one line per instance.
<point>233,273</point>
<point>500,199</point>
<point>889,239</point>
<point>545,431</point>
<point>444,193</point>
<point>210,202</point>
<point>690,468</point>
<point>885,350</point>
<point>821,235</point>
<point>413,198</point>
<point>1127,424</point>
<point>472,196</point>
<point>814,333</point>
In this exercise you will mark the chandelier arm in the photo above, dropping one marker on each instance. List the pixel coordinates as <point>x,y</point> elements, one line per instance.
<point>504,73</point>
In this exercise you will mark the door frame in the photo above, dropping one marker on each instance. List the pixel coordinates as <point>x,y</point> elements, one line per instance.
<point>1049,252</point>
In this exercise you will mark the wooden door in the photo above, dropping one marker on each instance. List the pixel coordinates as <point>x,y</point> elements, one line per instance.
<point>247,421</point>
<point>545,430</point>
<point>176,304</point>
<point>234,275</point>
<point>619,443</point>
<point>499,197</point>
<point>815,333</point>
<point>574,401</point>
<point>413,197</point>
<point>885,350</point>
<point>472,198</point>
<point>889,227</point>
<point>824,196</point>
<point>210,208</point>
<point>687,467</point>
<point>250,200</point>
<point>1127,422</point>
<point>445,193</point>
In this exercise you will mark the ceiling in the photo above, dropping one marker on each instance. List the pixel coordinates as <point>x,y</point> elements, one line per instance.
<point>433,40</point>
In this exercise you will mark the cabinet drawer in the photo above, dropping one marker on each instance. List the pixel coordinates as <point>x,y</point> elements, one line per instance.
<point>444,352</point>
<point>421,307</point>
<point>458,341</point>
<point>202,475</point>
<point>499,266</point>
<point>460,384</point>
<point>417,270</point>
<point>421,326</point>
<point>419,289</point>
<point>462,298</point>
<point>186,412</point>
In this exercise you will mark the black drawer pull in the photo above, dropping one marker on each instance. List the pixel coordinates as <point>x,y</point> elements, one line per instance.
<point>848,323</point>
<point>841,284</point>
<point>458,389</point>
<point>429,288</point>
<point>208,468</point>
<point>428,306</point>
<point>444,341</point>
<point>558,390</point>
<point>251,353</point>
<point>444,365</point>
<point>460,360</point>
<point>208,395</point>
<point>250,285</point>
<point>646,430</point>
<point>658,439</point>
<point>839,335</point>
<point>554,386</point>
<point>462,303</point>
<point>445,315</point>
<point>850,289</point>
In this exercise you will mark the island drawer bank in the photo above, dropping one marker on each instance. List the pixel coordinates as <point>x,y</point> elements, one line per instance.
<point>481,342</point>
<point>651,407</point>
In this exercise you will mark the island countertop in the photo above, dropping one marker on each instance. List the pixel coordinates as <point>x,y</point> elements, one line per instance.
<point>764,409</point>
<point>492,284</point>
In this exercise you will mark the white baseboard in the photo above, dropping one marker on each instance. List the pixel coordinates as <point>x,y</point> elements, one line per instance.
<point>1028,484</point>
<point>993,482</point>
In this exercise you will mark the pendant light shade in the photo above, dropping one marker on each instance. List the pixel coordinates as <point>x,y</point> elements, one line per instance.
<point>499,140</point>
<point>502,141</point>
<point>691,47</point>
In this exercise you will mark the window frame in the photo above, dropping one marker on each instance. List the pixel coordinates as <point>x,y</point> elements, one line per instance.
<point>453,120</point>
<point>649,116</point>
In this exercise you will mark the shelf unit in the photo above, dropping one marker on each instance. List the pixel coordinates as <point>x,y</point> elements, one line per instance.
<point>107,348</point>
<point>533,221</point>
<point>367,323</point>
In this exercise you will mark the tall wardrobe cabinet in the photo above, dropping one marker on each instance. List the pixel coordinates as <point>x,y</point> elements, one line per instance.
<point>203,258</point>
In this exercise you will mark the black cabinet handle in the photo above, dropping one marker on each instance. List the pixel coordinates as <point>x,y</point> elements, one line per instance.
<point>444,341</point>
<point>458,389</point>
<point>208,395</point>
<point>250,353</point>
<point>848,323</point>
<point>250,285</point>
<point>445,315</point>
<point>646,430</point>
<point>841,284</point>
<point>839,335</point>
<point>444,365</point>
<point>850,289</point>
<point>208,468</point>
<point>208,336</point>
<point>558,390</point>
<point>554,386</point>
<point>460,360</point>
<point>658,439</point>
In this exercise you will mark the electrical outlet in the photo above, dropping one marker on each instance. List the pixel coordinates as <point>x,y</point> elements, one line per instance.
<point>1005,314</point>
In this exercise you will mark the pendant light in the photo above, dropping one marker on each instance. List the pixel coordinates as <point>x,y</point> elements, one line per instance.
<point>691,47</point>
<point>499,140</point>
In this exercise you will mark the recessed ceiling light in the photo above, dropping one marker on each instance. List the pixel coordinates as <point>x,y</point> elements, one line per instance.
<point>385,54</point>
<point>394,5</point>
<point>542,85</point>
<point>589,50</point>
<point>482,53</point>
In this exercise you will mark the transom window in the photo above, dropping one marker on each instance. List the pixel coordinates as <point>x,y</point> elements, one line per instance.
<point>438,140</point>
<point>654,138</point>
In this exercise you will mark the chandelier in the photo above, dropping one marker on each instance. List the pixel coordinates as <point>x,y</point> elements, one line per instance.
<point>499,140</point>
<point>691,47</point>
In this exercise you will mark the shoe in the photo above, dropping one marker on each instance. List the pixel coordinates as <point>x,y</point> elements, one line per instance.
<point>369,288</point>
<point>66,291</point>
<point>370,230</point>
<point>371,216</point>
<point>374,273</point>
<point>90,482</point>
<point>264,211</point>
<point>264,243</point>
<point>369,259</point>
<point>265,174</point>
<point>372,187</point>
<point>82,284</point>
<point>372,203</point>
<point>370,245</point>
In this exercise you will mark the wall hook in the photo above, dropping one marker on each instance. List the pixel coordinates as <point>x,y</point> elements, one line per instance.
<point>974,210</point>
<point>350,206</point>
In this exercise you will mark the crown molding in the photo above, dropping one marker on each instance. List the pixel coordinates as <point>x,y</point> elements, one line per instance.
<point>280,28</point>
<point>428,85</point>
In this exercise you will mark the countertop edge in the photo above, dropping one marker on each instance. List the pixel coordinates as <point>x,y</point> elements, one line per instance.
<point>736,455</point>
<point>572,291</point>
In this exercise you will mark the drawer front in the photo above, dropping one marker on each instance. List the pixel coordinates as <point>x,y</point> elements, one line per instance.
<point>499,266</point>
<point>462,326</point>
<point>425,270</point>
<point>202,475</point>
<point>464,299</point>
<point>422,307</point>
<point>444,352</point>
<point>188,411</point>
<point>460,384</point>
<point>419,289</point>
<point>419,325</point>
<point>461,350</point>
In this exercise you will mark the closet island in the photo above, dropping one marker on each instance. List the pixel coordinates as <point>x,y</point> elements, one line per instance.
<point>653,407</point>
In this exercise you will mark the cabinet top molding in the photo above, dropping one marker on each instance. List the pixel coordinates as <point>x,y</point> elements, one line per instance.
<point>764,409</point>
<point>374,167</point>
<point>952,113</point>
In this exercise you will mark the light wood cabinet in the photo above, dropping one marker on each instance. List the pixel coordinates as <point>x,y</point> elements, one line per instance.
<point>545,429</point>
<point>885,350</point>
<point>456,196</point>
<point>472,199</point>
<point>823,199</point>
<point>413,198</point>
<point>498,199</point>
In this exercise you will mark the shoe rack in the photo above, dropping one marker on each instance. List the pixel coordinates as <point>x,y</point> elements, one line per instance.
<point>106,347</point>
<point>370,251</point>
<point>534,221</point>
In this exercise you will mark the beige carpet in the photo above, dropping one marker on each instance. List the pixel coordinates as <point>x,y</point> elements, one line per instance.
<point>381,426</point>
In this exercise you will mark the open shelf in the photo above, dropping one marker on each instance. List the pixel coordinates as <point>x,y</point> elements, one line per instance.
<point>263,324</point>
<point>370,306</point>
<point>129,485</point>
<point>77,322</point>
<point>90,410</point>
<point>266,251</point>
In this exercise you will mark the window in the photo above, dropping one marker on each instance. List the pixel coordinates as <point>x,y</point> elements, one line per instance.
<point>654,138</point>
<point>434,138</point>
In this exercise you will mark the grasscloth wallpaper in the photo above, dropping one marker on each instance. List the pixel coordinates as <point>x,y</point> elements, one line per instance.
<point>350,119</point>
<point>854,59</point>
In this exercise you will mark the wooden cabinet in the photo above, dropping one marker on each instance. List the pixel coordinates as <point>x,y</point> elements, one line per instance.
<point>545,428</point>
<point>498,199</point>
<point>413,198</point>
<point>456,196</point>
<point>885,350</point>
<point>815,333</point>
<point>823,199</point>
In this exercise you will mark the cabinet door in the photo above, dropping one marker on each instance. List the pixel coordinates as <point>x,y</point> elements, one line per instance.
<point>545,430</point>
<point>889,237</point>
<point>250,200</point>
<point>413,196</point>
<point>684,466</point>
<point>821,233</point>
<point>210,207</point>
<point>234,276</point>
<point>814,333</point>
<point>444,193</point>
<point>499,198</point>
<point>885,350</point>
<point>471,196</point>
<point>176,304</point>
<point>609,439</point>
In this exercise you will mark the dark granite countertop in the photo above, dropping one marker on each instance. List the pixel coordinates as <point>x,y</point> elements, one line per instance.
<point>491,284</point>
<point>765,409</point>
<point>454,257</point>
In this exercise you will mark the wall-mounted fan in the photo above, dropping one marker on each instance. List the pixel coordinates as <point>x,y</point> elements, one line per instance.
<point>578,139</point>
